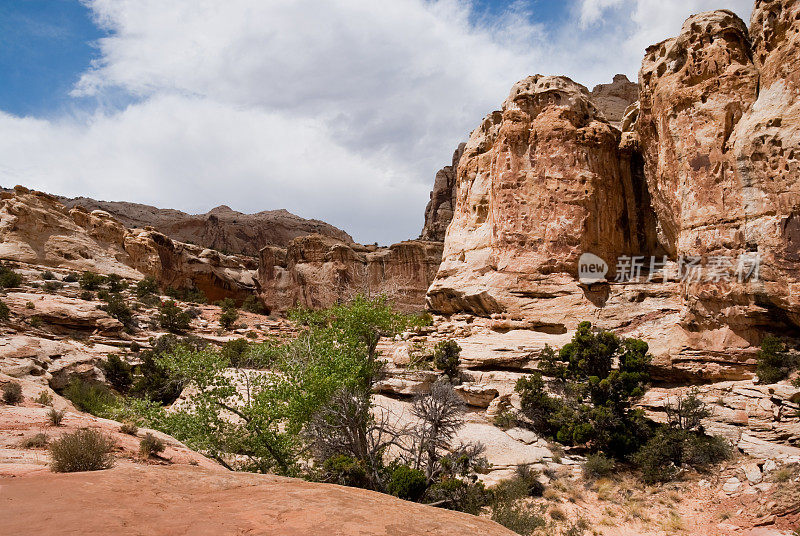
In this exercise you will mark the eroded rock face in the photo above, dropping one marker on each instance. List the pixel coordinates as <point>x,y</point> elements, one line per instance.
<point>538,185</point>
<point>439,211</point>
<point>36,228</point>
<point>318,271</point>
<point>614,98</point>
<point>706,165</point>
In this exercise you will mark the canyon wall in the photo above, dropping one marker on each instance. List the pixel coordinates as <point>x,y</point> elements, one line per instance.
<point>703,171</point>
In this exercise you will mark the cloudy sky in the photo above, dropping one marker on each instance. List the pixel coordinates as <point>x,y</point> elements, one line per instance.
<point>340,110</point>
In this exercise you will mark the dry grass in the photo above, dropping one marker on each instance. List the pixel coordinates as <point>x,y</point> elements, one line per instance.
<point>673,523</point>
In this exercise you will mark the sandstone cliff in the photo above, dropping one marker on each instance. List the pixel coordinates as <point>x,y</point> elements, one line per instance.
<point>614,98</point>
<point>439,211</point>
<point>221,228</point>
<point>318,271</point>
<point>706,166</point>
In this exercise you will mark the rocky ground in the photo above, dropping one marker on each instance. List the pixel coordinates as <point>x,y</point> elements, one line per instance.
<point>55,335</point>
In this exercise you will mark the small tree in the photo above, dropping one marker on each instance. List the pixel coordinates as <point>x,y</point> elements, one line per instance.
<point>688,412</point>
<point>5,312</point>
<point>173,318</point>
<point>118,373</point>
<point>146,287</point>
<point>446,357</point>
<point>118,308</point>
<point>9,278</point>
<point>116,283</point>
<point>775,363</point>
<point>228,318</point>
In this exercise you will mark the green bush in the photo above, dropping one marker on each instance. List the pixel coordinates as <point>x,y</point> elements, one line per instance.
<point>35,321</point>
<point>91,281</point>
<point>12,393</point>
<point>118,373</point>
<point>71,277</point>
<point>236,351</point>
<point>117,307</point>
<point>83,450</point>
<point>446,357</point>
<point>55,416</point>
<point>598,466</point>
<point>156,382</point>
<point>505,420</point>
<point>670,448</point>
<point>87,295</point>
<point>458,494</point>
<point>519,517</point>
<point>150,445</point>
<point>775,363</point>
<point>52,286</point>
<point>599,376</point>
<point>5,312</point>
<point>407,483</point>
<point>228,318</point>
<point>226,304</point>
<point>44,398</point>
<point>173,318</point>
<point>116,283</point>
<point>135,347</point>
<point>47,275</point>
<point>252,304</point>
<point>9,278</point>
<point>91,398</point>
<point>345,471</point>
<point>147,287</point>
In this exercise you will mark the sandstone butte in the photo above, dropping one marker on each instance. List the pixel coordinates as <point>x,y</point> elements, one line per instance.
<point>706,164</point>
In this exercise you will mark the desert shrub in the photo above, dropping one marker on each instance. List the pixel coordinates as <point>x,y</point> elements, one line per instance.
<point>116,283</point>
<point>5,312</point>
<point>9,278</point>
<point>44,398</point>
<point>104,294</point>
<point>35,321</point>
<point>446,357</point>
<point>12,393</point>
<point>252,304</point>
<point>52,286</point>
<point>146,287</point>
<point>36,441</point>
<point>598,377</point>
<point>117,307</point>
<point>118,373</point>
<point>424,320</point>
<point>226,304</point>
<point>194,312</point>
<point>687,412</point>
<point>91,398</point>
<point>228,318</point>
<point>407,483</point>
<point>83,450</point>
<point>598,466</point>
<point>775,363</point>
<point>55,416</point>
<point>530,478</point>
<point>151,445</point>
<point>135,347</point>
<point>47,275</point>
<point>71,277</point>
<point>87,295</point>
<point>155,381</point>
<point>195,295</point>
<point>91,281</point>
<point>30,305</point>
<point>505,420</point>
<point>458,494</point>
<point>129,428</point>
<point>235,352</point>
<point>173,318</point>
<point>670,448</point>
<point>346,471</point>
<point>519,517</point>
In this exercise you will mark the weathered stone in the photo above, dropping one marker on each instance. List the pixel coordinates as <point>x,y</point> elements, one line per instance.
<point>479,396</point>
<point>439,211</point>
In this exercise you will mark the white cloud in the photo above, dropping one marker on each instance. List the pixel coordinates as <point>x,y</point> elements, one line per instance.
<point>341,110</point>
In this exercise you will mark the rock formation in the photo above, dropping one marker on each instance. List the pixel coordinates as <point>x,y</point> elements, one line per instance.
<point>318,271</point>
<point>35,228</point>
<point>439,211</point>
<point>221,228</point>
<point>614,98</point>
<point>706,166</point>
